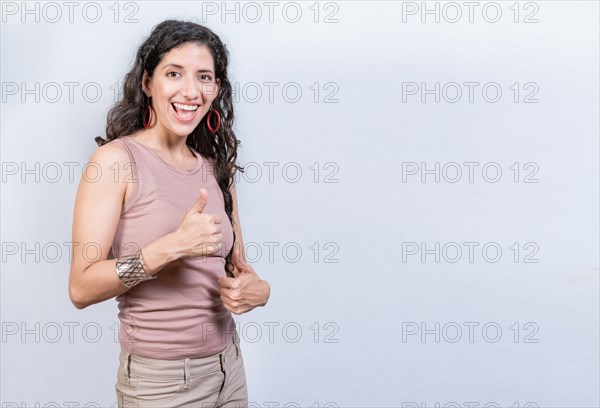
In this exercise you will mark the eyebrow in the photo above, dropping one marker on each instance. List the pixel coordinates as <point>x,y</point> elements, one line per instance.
<point>180,67</point>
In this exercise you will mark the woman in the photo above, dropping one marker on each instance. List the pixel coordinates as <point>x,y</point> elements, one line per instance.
<point>157,204</point>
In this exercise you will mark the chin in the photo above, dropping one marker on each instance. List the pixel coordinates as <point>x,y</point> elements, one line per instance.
<point>183,131</point>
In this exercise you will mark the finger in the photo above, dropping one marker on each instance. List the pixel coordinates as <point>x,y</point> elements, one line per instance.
<point>236,272</point>
<point>217,239</point>
<point>211,248</point>
<point>226,282</point>
<point>216,222</point>
<point>242,264</point>
<point>226,293</point>
<point>226,302</point>
<point>201,202</point>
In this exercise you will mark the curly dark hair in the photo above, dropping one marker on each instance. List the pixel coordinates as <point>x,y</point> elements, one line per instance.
<point>126,116</point>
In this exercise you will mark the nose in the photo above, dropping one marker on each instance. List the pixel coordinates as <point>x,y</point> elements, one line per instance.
<point>190,89</point>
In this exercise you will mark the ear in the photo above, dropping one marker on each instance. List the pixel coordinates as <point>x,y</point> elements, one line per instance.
<point>145,83</point>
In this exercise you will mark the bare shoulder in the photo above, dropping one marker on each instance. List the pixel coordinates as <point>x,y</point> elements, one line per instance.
<point>104,175</point>
<point>110,153</point>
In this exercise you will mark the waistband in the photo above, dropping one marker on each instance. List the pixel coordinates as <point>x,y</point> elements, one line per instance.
<point>186,368</point>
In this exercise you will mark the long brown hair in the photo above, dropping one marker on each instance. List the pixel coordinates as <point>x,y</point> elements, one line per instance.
<point>126,116</point>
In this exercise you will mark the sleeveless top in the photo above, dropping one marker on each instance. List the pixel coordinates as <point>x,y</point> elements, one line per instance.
<point>180,313</point>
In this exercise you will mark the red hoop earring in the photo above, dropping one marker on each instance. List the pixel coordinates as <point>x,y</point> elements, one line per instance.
<point>148,112</point>
<point>208,117</point>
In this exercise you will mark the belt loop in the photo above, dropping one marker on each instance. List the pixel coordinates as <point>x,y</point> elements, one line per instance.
<point>186,373</point>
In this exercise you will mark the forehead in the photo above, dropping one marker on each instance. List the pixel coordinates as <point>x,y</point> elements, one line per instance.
<point>189,54</point>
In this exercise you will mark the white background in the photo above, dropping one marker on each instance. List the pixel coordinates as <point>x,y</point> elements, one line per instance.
<point>356,303</point>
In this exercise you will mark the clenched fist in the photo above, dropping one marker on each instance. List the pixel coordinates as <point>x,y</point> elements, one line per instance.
<point>246,290</point>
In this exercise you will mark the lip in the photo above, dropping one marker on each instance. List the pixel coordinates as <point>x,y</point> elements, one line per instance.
<point>185,120</point>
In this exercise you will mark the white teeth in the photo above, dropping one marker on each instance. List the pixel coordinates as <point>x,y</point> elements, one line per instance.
<point>186,107</point>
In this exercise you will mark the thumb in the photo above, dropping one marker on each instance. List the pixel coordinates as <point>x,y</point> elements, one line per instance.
<point>236,257</point>
<point>239,262</point>
<point>201,202</point>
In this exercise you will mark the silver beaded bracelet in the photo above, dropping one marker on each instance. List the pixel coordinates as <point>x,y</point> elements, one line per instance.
<point>130,269</point>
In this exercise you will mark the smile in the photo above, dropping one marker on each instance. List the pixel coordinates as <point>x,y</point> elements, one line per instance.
<point>183,112</point>
<point>184,107</point>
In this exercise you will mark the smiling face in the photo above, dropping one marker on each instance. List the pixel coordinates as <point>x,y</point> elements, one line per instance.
<point>182,88</point>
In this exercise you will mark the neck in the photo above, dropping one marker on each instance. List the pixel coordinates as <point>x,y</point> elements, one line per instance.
<point>164,141</point>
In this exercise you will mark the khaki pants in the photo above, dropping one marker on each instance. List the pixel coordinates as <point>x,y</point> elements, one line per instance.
<point>208,382</point>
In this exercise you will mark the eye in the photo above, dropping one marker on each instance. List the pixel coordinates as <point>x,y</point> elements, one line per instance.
<point>172,72</point>
<point>206,78</point>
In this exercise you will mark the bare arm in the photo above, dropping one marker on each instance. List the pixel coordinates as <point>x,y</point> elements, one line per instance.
<point>92,277</point>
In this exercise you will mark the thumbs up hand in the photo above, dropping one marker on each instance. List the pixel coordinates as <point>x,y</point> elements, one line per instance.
<point>199,233</point>
<point>246,290</point>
